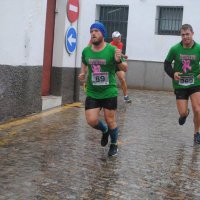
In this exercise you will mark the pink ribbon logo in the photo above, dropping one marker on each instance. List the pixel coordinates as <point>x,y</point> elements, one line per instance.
<point>96,68</point>
<point>186,65</point>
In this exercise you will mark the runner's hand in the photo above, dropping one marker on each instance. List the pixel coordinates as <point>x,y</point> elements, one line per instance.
<point>177,75</point>
<point>198,76</point>
<point>118,54</point>
<point>81,77</point>
<point>125,56</point>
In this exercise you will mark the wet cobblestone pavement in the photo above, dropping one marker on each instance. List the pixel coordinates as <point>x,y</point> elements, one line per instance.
<point>55,155</point>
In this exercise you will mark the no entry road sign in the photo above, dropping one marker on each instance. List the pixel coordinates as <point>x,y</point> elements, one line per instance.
<point>72,10</point>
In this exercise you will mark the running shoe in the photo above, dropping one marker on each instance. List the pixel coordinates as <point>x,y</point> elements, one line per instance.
<point>182,120</point>
<point>197,138</point>
<point>127,99</point>
<point>104,139</point>
<point>113,150</point>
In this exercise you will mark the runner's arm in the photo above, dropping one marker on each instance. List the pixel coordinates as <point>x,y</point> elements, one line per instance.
<point>83,72</point>
<point>124,56</point>
<point>123,66</point>
<point>120,61</point>
<point>168,69</point>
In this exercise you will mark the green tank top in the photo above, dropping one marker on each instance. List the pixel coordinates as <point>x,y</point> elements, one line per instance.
<point>101,81</point>
<point>186,61</point>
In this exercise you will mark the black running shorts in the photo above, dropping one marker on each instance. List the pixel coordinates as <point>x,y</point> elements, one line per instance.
<point>185,93</point>
<point>109,103</point>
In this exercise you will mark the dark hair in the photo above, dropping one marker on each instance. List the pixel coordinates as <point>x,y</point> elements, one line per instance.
<point>187,26</point>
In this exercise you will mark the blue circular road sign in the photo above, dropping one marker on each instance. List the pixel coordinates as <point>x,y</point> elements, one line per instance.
<point>70,39</point>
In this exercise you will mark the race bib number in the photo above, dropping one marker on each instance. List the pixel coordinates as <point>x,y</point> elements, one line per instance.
<point>100,78</point>
<point>186,80</point>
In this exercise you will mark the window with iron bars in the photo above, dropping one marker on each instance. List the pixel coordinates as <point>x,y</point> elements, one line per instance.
<point>115,18</point>
<point>169,20</point>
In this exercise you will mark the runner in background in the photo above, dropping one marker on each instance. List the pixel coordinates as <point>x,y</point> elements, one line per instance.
<point>185,75</point>
<point>116,36</point>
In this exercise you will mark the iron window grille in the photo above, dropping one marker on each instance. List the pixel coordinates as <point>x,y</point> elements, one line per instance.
<point>115,18</point>
<point>169,20</point>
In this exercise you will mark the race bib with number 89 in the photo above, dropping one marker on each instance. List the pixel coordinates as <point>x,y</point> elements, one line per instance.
<point>100,78</point>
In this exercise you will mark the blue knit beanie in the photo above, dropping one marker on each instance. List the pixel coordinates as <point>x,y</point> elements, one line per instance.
<point>100,27</point>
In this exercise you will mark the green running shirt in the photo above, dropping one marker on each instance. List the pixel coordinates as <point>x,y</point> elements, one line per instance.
<point>186,61</point>
<point>101,81</point>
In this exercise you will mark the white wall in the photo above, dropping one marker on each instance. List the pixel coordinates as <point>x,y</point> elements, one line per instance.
<point>61,58</point>
<point>22,32</point>
<point>142,42</point>
<point>23,28</point>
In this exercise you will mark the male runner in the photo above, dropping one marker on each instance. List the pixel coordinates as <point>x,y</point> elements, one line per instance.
<point>99,60</point>
<point>185,76</point>
<point>116,36</point>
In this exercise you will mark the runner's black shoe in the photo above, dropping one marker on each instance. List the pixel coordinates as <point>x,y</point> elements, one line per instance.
<point>197,138</point>
<point>113,150</point>
<point>104,139</point>
<point>182,120</point>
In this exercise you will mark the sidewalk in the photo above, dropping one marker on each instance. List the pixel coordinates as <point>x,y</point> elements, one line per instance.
<point>55,155</point>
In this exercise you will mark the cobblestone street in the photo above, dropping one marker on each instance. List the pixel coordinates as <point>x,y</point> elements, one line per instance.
<point>55,155</point>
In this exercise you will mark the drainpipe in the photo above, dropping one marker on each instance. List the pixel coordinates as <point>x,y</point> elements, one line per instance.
<point>76,72</point>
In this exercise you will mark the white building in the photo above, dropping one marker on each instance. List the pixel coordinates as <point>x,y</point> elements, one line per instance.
<point>35,62</point>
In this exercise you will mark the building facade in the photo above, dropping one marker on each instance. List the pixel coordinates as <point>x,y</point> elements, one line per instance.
<point>37,65</point>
